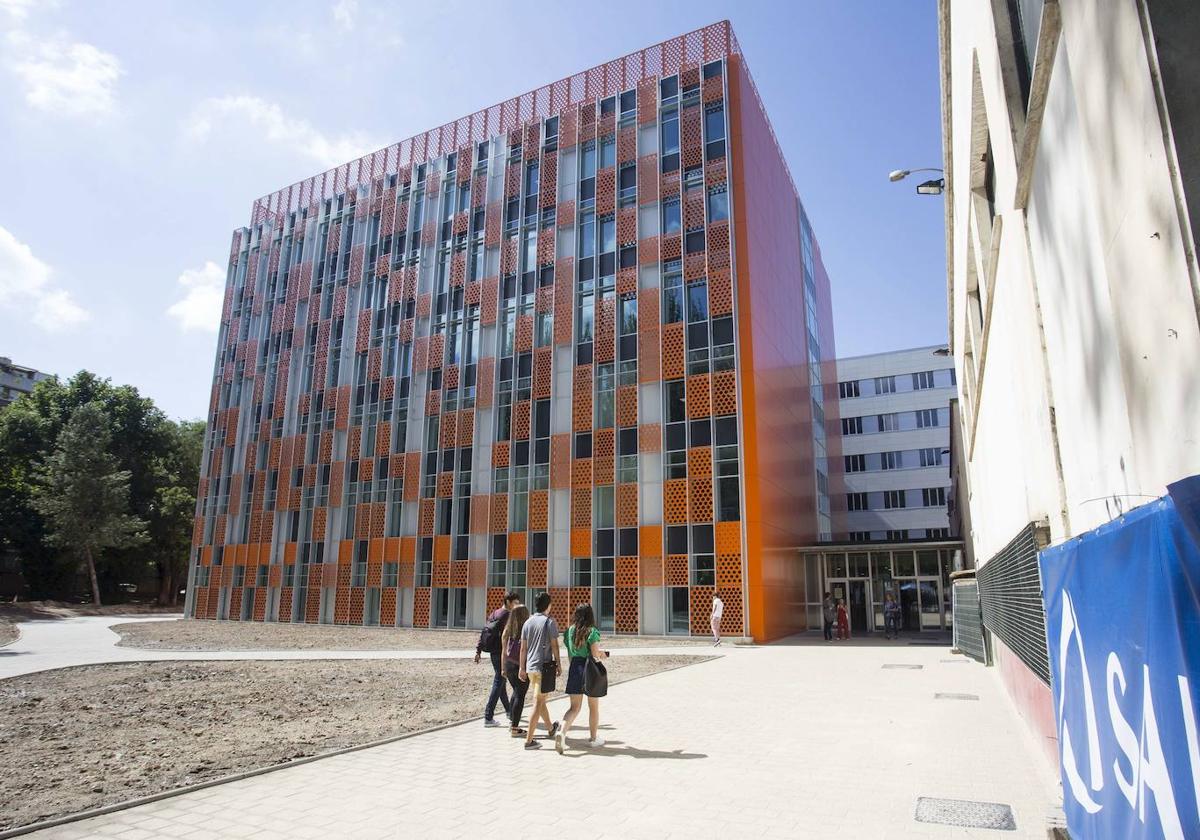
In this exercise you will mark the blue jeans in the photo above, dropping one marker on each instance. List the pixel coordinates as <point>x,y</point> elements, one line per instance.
<point>891,625</point>
<point>498,692</point>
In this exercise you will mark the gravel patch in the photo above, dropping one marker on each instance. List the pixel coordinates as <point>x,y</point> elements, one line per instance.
<point>98,735</point>
<point>203,635</point>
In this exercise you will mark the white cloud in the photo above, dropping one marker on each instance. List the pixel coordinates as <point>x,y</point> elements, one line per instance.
<point>63,76</point>
<point>16,9</point>
<point>344,12</point>
<point>273,125</point>
<point>26,287</point>
<point>200,307</point>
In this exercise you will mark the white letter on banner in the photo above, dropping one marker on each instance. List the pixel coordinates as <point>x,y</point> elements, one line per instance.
<point>1154,773</point>
<point>1189,725</point>
<point>1079,790</point>
<point>1127,739</point>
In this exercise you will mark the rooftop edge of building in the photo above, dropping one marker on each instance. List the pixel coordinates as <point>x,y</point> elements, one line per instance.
<point>713,42</point>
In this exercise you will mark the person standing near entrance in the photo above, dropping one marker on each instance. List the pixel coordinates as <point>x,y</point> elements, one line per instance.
<point>891,617</point>
<point>843,620</point>
<point>829,615</point>
<point>539,665</point>
<point>714,620</point>
<point>489,640</point>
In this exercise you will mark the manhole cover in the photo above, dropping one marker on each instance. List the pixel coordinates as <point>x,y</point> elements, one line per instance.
<point>965,813</point>
<point>950,695</point>
<point>904,666</point>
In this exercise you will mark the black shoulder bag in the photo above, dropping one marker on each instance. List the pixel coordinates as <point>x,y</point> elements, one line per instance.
<point>595,678</point>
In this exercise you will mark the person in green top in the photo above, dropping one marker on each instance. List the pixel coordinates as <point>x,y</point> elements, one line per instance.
<point>583,643</point>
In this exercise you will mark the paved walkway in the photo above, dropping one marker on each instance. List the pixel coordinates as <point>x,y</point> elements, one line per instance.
<point>812,740</point>
<point>87,640</point>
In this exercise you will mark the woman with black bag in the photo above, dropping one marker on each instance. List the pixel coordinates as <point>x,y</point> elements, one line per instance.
<point>586,675</point>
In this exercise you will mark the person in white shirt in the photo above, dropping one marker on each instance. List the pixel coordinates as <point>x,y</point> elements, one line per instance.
<point>718,610</point>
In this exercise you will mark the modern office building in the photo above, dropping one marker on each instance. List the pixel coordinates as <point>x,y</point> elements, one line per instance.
<point>895,427</point>
<point>1070,140</point>
<point>16,380</point>
<point>895,416</point>
<point>579,341</point>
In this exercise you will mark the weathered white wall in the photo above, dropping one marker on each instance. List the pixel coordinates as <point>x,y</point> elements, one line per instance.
<point>1099,254</point>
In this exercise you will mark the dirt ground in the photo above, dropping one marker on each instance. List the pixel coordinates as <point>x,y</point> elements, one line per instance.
<point>88,737</point>
<point>237,635</point>
<point>31,610</point>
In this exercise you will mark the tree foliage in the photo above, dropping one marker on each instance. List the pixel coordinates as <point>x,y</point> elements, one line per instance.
<point>82,496</point>
<point>161,456</point>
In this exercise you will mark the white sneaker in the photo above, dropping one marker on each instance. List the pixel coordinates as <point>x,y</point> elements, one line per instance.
<point>558,741</point>
<point>596,743</point>
<point>491,723</point>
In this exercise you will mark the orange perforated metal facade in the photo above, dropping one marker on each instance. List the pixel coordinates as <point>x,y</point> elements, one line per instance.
<point>558,344</point>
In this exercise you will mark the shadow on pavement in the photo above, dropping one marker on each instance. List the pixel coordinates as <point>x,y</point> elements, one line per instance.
<point>621,749</point>
<point>928,638</point>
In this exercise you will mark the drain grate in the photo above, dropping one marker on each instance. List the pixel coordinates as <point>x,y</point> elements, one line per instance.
<point>956,661</point>
<point>965,813</point>
<point>950,695</point>
<point>899,665</point>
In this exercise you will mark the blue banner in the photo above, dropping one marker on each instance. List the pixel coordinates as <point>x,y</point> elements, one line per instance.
<point>1123,631</point>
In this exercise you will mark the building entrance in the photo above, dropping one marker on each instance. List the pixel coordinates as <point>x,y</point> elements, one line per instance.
<point>857,595</point>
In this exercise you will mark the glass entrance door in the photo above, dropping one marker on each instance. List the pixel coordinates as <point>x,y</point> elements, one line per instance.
<point>858,607</point>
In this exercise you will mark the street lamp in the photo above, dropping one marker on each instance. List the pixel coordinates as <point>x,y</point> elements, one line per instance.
<point>934,186</point>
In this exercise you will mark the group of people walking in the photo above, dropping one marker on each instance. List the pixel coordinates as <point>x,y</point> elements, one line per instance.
<point>834,615</point>
<point>524,651</point>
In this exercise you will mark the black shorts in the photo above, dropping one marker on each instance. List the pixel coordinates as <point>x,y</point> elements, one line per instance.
<point>575,674</point>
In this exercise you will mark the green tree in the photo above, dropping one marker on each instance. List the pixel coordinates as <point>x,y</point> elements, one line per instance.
<point>83,497</point>
<point>174,506</point>
<point>162,458</point>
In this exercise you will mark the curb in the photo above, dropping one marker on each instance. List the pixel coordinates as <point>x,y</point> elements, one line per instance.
<point>260,771</point>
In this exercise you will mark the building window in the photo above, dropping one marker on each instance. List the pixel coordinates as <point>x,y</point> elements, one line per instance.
<point>893,499</point>
<point>933,497</point>
<point>856,501</point>
<point>846,390</point>
<point>885,385</point>
<point>927,418</point>
<point>938,533</point>
<point>897,536</point>
<point>922,380</point>
<point>931,457</point>
<point>671,222</point>
<point>852,425</point>
<point>856,463</point>
<point>860,536</point>
<point>891,460</point>
<point>888,422</point>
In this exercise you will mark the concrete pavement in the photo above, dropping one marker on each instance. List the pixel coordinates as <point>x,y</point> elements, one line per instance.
<point>811,740</point>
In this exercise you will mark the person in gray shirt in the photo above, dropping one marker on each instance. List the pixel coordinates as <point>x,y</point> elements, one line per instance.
<point>539,653</point>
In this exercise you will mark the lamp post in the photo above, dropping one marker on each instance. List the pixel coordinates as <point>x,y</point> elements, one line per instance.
<point>933,186</point>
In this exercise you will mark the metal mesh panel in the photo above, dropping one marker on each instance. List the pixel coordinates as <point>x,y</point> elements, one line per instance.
<point>968,620</point>
<point>1010,596</point>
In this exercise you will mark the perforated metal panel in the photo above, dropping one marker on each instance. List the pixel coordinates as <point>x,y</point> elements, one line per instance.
<point>1010,597</point>
<point>968,620</point>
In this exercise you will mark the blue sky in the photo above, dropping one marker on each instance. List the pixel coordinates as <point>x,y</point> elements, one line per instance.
<point>136,136</point>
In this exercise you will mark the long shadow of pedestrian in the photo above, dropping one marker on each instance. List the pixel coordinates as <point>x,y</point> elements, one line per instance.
<point>621,749</point>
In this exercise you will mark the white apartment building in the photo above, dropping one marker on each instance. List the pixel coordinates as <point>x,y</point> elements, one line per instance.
<point>1070,151</point>
<point>895,416</point>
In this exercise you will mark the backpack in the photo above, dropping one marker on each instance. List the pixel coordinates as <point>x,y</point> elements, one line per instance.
<point>489,636</point>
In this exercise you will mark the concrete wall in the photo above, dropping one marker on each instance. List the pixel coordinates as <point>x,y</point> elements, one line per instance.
<point>1084,393</point>
<point>1074,309</point>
